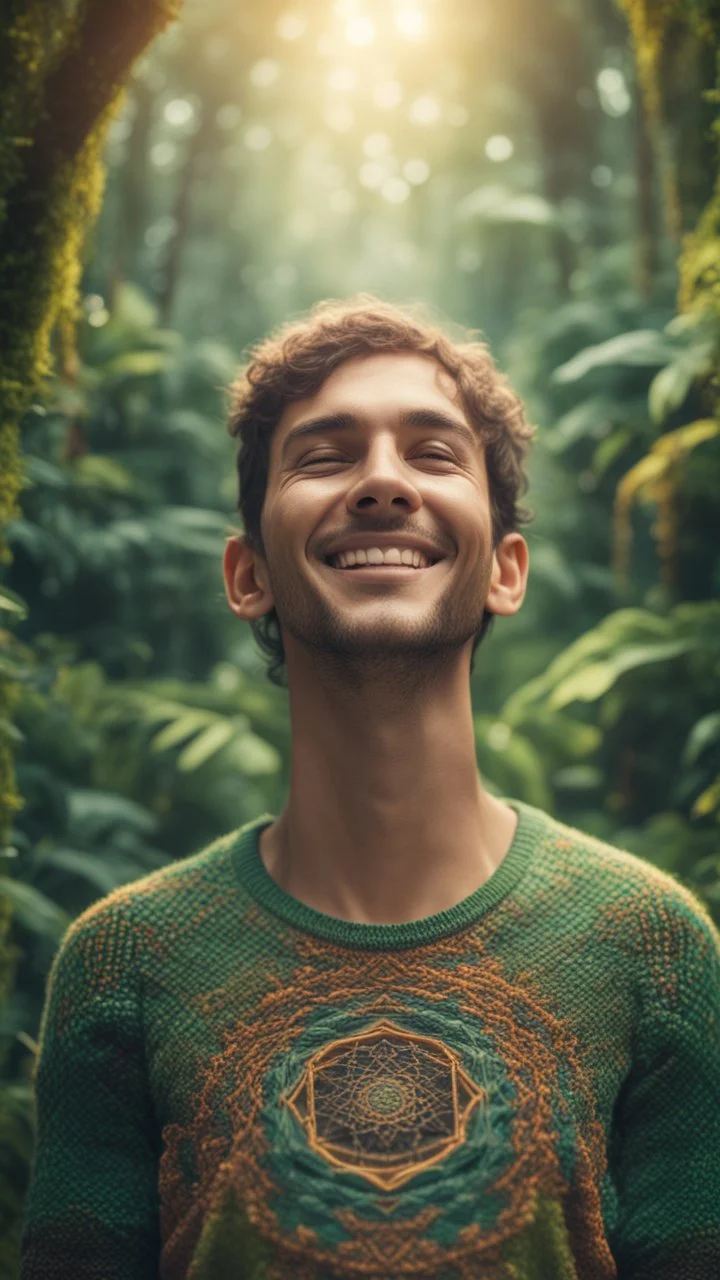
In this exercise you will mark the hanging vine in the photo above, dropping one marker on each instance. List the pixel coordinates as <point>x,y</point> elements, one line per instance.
<point>653,24</point>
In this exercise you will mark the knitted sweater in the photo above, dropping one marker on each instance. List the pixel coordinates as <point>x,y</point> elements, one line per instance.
<point>234,1086</point>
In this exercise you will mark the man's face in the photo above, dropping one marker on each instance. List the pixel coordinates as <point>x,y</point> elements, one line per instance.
<point>396,455</point>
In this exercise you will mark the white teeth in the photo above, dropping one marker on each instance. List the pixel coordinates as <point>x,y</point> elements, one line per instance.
<point>378,555</point>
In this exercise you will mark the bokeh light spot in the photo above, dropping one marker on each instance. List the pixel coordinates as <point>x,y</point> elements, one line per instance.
<point>163,154</point>
<point>264,72</point>
<point>498,148</point>
<point>411,22</point>
<point>258,137</point>
<point>601,176</point>
<point>425,109</point>
<point>291,25</point>
<point>395,190</point>
<point>360,30</point>
<point>416,171</point>
<point>179,112</point>
<point>615,99</point>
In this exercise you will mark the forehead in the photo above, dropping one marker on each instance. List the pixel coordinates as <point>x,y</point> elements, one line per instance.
<point>379,386</point>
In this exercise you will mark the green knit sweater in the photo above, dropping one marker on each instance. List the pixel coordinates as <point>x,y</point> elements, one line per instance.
<point>234,1086</point>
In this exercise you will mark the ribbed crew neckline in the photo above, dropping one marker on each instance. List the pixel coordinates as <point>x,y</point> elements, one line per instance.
<point>256,879</point>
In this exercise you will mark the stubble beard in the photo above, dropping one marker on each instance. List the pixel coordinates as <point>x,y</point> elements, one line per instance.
<point>403,660</point>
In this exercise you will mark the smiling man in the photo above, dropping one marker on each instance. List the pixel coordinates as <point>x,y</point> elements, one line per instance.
<point>405,1028</point>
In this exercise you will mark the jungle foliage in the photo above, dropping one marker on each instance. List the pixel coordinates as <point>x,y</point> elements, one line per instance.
<point>561,196</point>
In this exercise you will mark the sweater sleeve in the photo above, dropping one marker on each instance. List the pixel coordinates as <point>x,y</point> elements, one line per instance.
<point>665,1151</point>
<point>92,1211</point>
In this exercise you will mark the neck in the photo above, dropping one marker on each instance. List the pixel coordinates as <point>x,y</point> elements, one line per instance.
<point>387,819</point>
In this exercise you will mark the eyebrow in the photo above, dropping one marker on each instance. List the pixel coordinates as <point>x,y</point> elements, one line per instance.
<point>421,419</point>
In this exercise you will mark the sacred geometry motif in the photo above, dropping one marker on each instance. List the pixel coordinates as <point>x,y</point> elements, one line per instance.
<point>384,1104</point>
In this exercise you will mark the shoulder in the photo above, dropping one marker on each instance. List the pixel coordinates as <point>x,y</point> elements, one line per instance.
<point>635,906</point>
<point>621,874</point>
<point>111,934</point>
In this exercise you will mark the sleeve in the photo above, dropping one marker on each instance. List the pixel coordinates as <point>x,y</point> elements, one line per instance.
<point>665,1150</point>
<point>92,1211</point>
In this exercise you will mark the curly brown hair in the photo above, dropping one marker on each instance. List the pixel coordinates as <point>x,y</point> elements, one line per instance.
<point>295,361</point>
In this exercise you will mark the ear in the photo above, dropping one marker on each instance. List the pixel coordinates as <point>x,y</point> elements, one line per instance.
<point>508,580</point>
<point>246,580</point>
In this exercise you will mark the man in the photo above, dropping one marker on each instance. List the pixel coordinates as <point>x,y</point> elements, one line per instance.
<point>405,1028</point>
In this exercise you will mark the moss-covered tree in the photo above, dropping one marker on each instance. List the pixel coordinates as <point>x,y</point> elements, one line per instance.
<point>63,71</point>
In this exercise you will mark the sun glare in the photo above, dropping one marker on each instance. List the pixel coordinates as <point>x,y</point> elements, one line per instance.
<point>360,30</point>
<point>411,23</point>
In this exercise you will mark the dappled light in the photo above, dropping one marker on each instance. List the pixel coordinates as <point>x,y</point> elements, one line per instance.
<point>538,175</point>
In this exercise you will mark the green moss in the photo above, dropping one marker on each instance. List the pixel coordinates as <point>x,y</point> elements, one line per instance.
<point>51,185</point>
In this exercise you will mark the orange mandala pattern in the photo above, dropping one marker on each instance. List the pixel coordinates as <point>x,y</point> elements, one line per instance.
<point>385,1103</point>
<point>340,1088</point>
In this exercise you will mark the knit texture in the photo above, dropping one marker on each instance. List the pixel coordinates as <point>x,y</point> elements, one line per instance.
<point>234,1086</point>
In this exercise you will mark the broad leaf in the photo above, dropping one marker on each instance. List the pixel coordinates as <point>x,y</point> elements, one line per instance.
<point>33,910</point>
<point>643,347</point>
<point>11,602</point>
<point>206,744</point>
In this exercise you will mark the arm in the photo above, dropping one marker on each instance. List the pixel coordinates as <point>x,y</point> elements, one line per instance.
<point>665,1152</point>
<point>92,1210</point>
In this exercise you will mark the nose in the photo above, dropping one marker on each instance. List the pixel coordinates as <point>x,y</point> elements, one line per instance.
<point>385,485</point>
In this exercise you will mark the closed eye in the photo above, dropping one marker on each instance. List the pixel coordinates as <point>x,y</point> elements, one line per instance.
<point>330,457</point>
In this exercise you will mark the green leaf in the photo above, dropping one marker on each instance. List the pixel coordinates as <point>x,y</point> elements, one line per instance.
<point>185,725</point>
<point>578,777</point>
<point>610,448</point>
<point>703,733</point>
<point>591,682</point>
<point>511,762</point>
<point>708,802</point>
<point>138,364</point>
<point>669,389</point>
<point>252,756</point>
<point>80,863</point>
<point>550,565</point>
<point>11,602</point>
<point>581,421</point>
<point>33,910</point>
<point>207,744</point>
<point>42,472</point>
<point>97,472</point>
<point>11,732</point>
<point>642,347</point>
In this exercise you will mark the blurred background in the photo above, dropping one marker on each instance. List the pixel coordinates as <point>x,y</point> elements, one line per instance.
<point>501,164</point>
